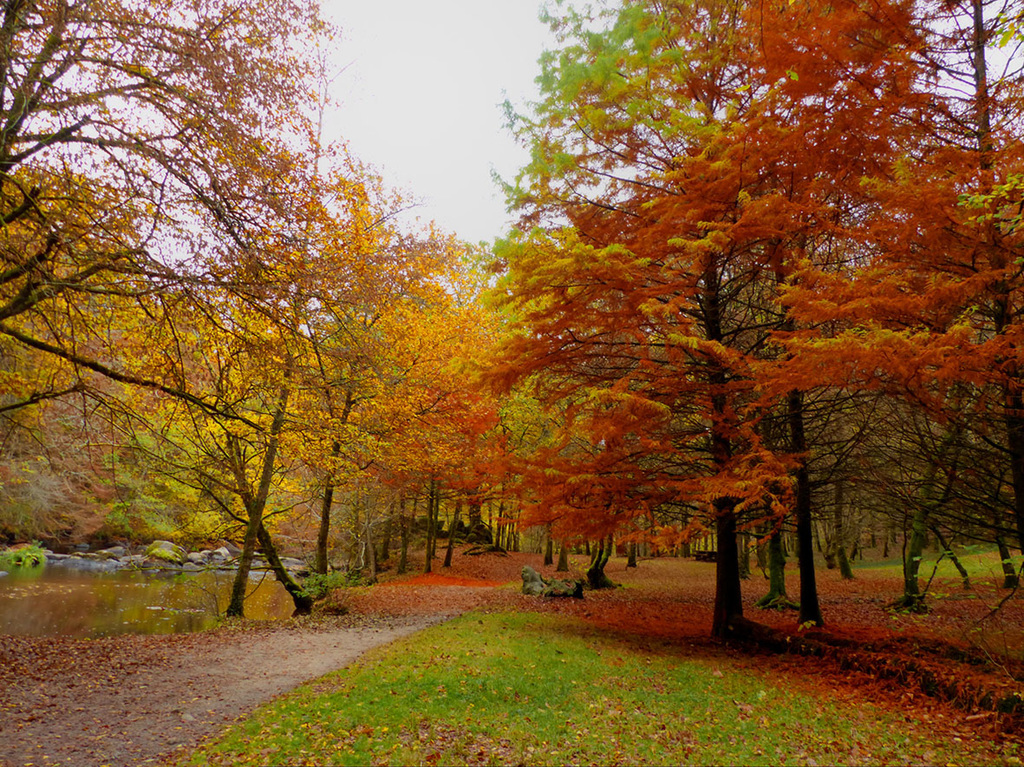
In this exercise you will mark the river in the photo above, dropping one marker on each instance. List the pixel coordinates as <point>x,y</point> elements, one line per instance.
<point>58,601</point>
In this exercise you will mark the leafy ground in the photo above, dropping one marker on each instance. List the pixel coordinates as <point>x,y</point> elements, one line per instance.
<point>628,676</point>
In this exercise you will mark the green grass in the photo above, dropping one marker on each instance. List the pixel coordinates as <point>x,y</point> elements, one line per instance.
<point>537,690</point>
<point>979,560</point>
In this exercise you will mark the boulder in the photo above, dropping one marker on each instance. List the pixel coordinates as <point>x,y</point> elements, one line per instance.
<point>114,552</point>
<point>90,565</point>
<point>52,557</point>
<point>198,557</point>
<point>480,533</point>
<point>219,555</point>
<point>297,566</point>
<point>535,584</point>
<point>232,549</point>
<point>3,573</point>
<point>166,552</point>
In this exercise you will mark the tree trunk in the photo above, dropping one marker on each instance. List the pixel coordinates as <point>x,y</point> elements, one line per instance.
<point>371,549</point>
<point>631,561</point>
<point>965,579</point>
<point>451,534</point>
<point>776,598</point>
<point>428,561</point>
<point>549,548</point>
<point>403,530</point>
<point>596,576</point>
<point>728,594</point>
<point>840,537</point>
<point>1009,574</point>
<point>810,610</point>
<point>254,505</point>
<point>563,558</point>
<point>302,601</point>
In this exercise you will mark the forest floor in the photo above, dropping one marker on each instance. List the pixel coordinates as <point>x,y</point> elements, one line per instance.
<point>130,699</point>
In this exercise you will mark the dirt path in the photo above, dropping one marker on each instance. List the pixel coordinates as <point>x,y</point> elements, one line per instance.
<point>127,700</point>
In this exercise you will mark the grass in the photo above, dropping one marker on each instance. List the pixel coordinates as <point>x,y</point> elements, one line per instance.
<point>542,689</point>
<point>981,562</point>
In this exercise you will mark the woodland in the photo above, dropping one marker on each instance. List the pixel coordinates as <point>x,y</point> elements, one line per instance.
<point>764,302</point>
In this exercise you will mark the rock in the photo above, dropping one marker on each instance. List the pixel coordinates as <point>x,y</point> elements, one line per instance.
<point>534,584</point>
<point>91,565</point>
<point>232,549</point>
<point>480,533</point>
<point>192,567</point>
<point>133,560</point>
<point>166,551</point>
<point>114,552</point>
<point>198,557</point>
<point>219,555</point>
<point>52,557</point>
<point>3,573</point>
<point>297,566</point>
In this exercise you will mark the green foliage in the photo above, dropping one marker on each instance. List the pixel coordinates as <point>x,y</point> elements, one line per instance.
<point>27,556</point>
<point>318,585</point>
<point>528,689</point>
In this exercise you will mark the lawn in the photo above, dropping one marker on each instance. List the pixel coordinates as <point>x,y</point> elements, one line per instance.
<point>628,677</point>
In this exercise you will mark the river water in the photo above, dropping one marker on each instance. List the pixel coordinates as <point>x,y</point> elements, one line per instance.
<point>58,601</point>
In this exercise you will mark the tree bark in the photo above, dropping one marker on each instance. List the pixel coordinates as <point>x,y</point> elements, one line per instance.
<point>302,601</point>
<point>776,598</point>
<point>563,558</point>
<point>596,576</point>
<point>254,504</point>
<point>810,610</point>
<point>728,595</point>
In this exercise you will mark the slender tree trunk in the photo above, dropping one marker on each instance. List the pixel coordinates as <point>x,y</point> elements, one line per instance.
<point>428,563</point>
<point>254,505</point>
<point>302,601</point>
<point>1009,574</point>
<point>840,535</point>
<point>371,549</point>
<point>320,561</point>
<point>965,578</point>
<point>631,561</point>
<point>810,610</point>
<point>549,548</point>
<point>776,598</point>
<point>451,534</point>
<point>403,529</point>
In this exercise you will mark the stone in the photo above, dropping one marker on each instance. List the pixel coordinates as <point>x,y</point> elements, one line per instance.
<point>3,573</point>
<point>535,584</point>
<point>52,557</point>
<point>233,550</point>
<point>219,555</point>
<point>166,551</point>
<point>198,557</point>
<point>91,565</point>
<point>192,567</point>
<point>114,552</point>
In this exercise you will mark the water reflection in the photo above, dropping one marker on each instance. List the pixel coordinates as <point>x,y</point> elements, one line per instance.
<point>58,601</point>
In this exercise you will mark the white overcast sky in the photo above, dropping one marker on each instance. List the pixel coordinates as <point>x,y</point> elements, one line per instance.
<point>420,99</point>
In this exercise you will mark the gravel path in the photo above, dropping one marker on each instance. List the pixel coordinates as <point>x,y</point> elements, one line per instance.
<point>128,700</point>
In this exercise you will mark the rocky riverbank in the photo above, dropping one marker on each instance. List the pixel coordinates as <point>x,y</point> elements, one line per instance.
<point>162,556</point>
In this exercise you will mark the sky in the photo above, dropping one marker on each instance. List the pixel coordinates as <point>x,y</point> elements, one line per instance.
<point>420,84</point>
